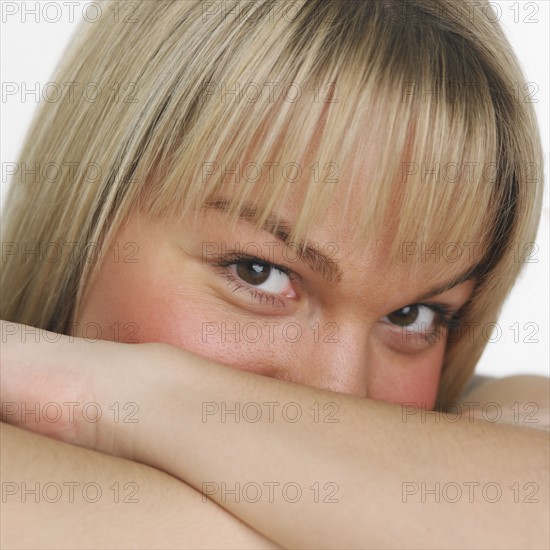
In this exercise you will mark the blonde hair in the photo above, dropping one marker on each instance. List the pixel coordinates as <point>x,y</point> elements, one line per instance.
<point>423,81</point>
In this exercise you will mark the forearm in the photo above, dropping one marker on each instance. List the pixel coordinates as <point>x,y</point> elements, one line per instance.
<point>371,455</point>
<point>56,495</point>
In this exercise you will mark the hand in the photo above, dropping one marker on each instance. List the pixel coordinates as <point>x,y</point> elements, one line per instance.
<point>79,391</point>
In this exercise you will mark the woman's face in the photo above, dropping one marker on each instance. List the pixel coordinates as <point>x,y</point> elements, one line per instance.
<point>333,318</point>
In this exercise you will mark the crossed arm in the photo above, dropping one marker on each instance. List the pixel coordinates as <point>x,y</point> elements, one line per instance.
<point>374,478</point>
<point>56,495</point>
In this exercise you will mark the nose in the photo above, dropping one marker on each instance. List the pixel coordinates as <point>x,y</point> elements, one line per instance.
<point>335,359</point>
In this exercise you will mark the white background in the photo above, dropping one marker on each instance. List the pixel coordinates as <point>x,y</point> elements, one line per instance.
<point>33,43</point>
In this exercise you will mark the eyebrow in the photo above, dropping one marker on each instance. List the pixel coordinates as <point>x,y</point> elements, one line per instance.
<point>466,275</point>
<point>319,262</point>
<point>281,229</point>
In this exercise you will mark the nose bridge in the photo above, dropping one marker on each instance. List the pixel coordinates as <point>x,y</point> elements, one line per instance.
<point>338,361</point>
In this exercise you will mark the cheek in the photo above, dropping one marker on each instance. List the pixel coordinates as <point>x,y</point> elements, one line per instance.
<point>402,379</point>
<point>138,304</point>
<point>199,325</point>
<point>161,300</point>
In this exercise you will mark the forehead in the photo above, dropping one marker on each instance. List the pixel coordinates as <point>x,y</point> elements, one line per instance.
<point>392,211</point>
<point>400,186</point>
<point>381,168</point>
<point>420,265</point>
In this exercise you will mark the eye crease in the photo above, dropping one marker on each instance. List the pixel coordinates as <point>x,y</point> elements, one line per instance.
<point>263,276</point>
<point>422,317</point>
<point>265,281</point>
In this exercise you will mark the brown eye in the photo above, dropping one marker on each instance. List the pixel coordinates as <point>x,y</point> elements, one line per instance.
<point>415,318</point>
<point>262,276</point>
<point>253,272</point>
<point>404,316</point>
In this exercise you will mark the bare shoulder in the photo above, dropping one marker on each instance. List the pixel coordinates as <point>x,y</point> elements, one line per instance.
<point>521,388</point>
<point>520,399</point>
<point>78,498</point>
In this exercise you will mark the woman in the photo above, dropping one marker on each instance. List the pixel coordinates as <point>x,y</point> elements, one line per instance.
<point>328,194</point>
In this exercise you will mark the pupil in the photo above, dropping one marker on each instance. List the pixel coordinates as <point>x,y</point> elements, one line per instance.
<point>404,316</point>
<point>252,272</point>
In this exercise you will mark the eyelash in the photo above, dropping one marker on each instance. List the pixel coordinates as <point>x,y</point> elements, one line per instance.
<point>446,318</point>
<point>257,294</point>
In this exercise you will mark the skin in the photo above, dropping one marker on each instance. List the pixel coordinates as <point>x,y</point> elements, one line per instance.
<point>172,295</point>
<point>168,294</point>
<point>358,455</point>
<point>163,512</point>
<point>171,292</point>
